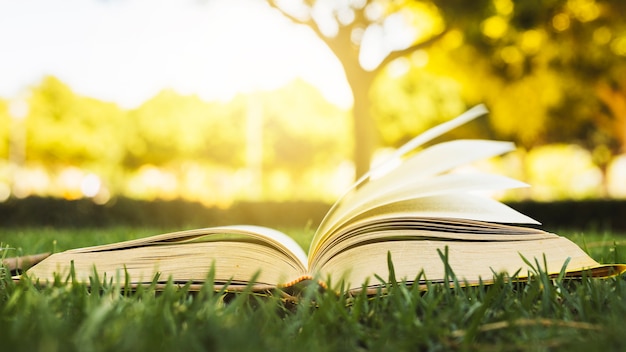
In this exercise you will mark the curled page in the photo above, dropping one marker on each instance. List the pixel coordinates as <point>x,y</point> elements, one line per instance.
<point>416,142</point>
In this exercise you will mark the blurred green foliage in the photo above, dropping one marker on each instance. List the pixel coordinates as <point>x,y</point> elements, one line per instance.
<point>173,128</point>
<point>194,145</point>
<point>551,72</point>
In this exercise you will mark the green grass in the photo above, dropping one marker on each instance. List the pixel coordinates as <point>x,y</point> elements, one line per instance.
<point>539,315</point>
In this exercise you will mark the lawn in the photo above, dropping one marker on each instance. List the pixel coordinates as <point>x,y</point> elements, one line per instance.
<point>542,314</point>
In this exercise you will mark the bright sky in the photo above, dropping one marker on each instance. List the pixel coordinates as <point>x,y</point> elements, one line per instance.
<point>128,50</point>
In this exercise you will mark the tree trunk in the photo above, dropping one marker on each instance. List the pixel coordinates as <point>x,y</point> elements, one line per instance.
<point>364,128</point>
<point>365,136</point>
<point>359,79</point>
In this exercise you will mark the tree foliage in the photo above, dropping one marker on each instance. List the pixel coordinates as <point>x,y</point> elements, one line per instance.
<point>193,146</point>
<point>549,70</point>
<point>173,128</point>
<point>302,129</point>
<point>408,104</point>
<point>5,120</point>
<point>354,29</point>
<point>66,129</point>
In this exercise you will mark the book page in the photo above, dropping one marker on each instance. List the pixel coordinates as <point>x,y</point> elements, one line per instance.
<point>457,206</point>
<point>413,144</point>
<point>469,260</point>
<point>408,179</point>
<point>449,184</point>
<point>270,237</point>
<point>237,253</point>
<point>409,228</point>
<point>232,261</point>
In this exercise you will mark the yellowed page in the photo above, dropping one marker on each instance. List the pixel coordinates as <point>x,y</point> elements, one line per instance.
<point>469,260</point>
<point>460,206</point>
<point>399,232</point>
<point>184,262</point>
<point>413,144</point>
<point>444,184</point>
<point>274,238</point>
<point>425,165</point>
<point>447,184</point>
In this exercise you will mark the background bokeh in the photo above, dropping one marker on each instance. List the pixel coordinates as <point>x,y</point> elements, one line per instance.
<point>219,102</point>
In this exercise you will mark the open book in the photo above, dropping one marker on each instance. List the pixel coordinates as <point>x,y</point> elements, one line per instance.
<point>411,208</point>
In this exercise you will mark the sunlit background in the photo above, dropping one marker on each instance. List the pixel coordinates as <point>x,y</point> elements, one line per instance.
<point>219,101</point>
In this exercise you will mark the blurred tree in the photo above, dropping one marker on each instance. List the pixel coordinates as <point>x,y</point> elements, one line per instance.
<point>547,69</point>
<point>174,128</point>
<point>592,42</point>
<point>611,93</point>
<point>553,72</point>
<point>407,100</point>
<point>366,36</point>
<point>563,59</point>
<point>179,136</point>
<point>66,129</point>
<point>296,138</point>
<point>5,122</point>
<point>302,130</point>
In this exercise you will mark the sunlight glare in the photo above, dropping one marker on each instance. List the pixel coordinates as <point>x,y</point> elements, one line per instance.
<point>616,177</point>
<point>126,52</point>
<point>90,185</point>
<point>5,192</point>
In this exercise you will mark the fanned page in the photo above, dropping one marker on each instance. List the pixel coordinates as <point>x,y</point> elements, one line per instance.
<point>422,182</point>
<point>395,159</point>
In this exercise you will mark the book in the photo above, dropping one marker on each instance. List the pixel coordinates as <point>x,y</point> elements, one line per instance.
<point>14,264</point>
<point>413,209</point>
